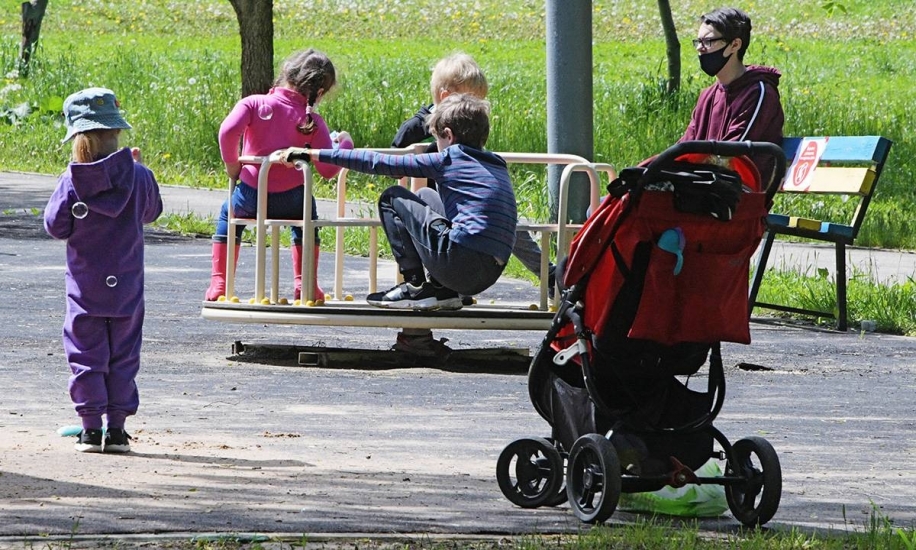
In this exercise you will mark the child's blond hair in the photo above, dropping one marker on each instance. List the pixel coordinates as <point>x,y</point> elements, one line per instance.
<point>458,74</point>
<point>94,145</point>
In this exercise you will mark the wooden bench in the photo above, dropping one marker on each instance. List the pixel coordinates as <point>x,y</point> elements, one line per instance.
<point>849,166</point>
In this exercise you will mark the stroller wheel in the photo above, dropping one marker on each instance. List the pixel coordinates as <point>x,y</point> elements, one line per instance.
<point>558,499</point>
<point>593,480</point>
<point>754,502</point>
<point>530,472</point>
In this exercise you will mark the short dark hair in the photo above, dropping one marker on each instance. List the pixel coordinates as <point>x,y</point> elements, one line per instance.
<point>467,116</point>
<point>732,23</point>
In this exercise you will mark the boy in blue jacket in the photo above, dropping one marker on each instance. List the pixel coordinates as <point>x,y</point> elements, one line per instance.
<point>463,233</point>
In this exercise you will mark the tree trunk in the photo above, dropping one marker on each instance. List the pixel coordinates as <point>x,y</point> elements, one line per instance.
<point>256,28</point>
<point>672,46</point>
<point>33,12</point>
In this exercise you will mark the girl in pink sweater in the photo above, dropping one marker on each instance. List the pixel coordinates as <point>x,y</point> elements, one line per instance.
<point>264,123</point>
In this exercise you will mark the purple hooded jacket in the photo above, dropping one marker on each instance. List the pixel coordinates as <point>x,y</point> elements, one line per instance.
<point>746,109</point>
<point>122,196</point>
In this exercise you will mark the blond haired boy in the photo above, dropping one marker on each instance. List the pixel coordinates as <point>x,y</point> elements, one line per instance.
<point>460,74</point>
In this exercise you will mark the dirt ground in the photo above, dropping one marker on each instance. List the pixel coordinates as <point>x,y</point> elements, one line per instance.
<point>224,445</point>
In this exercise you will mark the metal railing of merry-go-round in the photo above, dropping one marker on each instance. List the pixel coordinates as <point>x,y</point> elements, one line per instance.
<point>343,219</point>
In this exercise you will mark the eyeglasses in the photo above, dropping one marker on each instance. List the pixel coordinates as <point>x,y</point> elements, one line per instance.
<point>707,42</point>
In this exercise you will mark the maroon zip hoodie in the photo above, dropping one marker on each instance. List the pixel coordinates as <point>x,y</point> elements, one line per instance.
<point>747,109</point>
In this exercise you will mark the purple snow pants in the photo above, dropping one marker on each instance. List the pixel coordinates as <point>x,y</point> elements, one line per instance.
<point>104,357</point>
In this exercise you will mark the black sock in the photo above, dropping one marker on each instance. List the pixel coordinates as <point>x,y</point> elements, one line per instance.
<point>416,277</point>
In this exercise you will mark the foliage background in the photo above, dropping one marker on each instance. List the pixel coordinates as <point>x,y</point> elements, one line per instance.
<point>848,69</point>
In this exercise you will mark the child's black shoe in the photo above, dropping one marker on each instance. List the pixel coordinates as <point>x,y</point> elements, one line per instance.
<point>90,441</point>
<point>117,441</point>
<point>406,296</point>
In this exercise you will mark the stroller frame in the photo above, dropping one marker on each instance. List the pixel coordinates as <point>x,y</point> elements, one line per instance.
<point>590,445</point>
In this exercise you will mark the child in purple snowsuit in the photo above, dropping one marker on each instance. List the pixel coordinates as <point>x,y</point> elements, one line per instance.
<point>100,205</point>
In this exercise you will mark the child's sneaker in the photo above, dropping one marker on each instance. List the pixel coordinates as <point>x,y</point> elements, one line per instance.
<point>423,344</point>
<point>90,441</point>
<point>448,298</point>
<point>117,441</point>
<point>406,296</point>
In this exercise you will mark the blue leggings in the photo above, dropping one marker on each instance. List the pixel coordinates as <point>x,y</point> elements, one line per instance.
<point>286,205</point>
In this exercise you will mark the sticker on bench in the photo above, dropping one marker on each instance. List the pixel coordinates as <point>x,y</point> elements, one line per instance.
<point>801,172</point>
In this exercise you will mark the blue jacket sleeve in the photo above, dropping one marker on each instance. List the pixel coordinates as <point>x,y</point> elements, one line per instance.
<point>424,165</point>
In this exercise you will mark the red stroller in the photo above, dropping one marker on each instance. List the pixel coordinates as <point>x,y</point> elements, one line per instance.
<point>654,282</point>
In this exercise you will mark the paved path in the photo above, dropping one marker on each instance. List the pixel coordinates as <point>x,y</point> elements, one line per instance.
<point>30,191</point>
<point>225,445</point>
<point>27,191</point>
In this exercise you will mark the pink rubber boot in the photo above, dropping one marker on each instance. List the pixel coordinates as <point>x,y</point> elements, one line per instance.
<point>218,271</point>
<point>297,273</point>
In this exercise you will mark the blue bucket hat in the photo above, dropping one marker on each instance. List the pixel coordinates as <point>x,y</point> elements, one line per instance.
<point>92,109</point>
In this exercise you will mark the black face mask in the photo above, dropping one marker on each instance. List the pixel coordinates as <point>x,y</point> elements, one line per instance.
<point>712,62</point>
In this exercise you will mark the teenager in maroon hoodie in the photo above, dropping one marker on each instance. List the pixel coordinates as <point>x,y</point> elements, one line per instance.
<point>743,104</point>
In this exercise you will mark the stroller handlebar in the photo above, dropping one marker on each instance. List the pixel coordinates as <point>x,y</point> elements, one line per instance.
<point>725,149</point>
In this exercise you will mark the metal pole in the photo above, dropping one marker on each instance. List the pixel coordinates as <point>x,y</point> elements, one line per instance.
<point>570,106</point>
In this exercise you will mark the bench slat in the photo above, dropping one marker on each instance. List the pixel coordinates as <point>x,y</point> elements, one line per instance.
<point>845,148</point>
<point>839,181</point>
<point>810,229</point>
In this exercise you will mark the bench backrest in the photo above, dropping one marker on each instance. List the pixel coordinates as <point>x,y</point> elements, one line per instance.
<point>849,165</point>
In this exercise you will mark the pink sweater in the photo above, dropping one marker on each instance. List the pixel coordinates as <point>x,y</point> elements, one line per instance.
<point>265,123</point>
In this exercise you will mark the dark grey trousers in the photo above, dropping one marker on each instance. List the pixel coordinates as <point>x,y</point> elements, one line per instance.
<point>419,232</point>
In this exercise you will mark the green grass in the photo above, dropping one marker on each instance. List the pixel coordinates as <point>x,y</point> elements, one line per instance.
<point>892,306</point>
<point>645,533</point>
<point>847,68</point>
